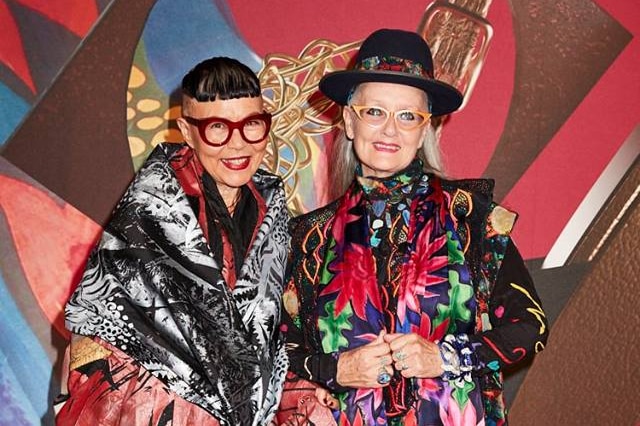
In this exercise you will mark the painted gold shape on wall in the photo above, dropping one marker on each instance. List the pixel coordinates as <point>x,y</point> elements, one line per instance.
<point>301,114</point>
<point>459,37</point>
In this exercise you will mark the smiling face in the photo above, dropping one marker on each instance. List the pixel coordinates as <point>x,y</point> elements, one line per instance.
<point>231,165</point>
<point>386,150</point>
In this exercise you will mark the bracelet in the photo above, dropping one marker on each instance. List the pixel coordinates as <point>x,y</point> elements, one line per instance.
<point>450,360</point>
<point>457,358</point>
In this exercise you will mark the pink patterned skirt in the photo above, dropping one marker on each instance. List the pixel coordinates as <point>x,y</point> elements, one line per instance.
<point>109,388</point>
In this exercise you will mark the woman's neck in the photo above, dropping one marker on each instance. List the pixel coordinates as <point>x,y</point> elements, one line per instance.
<point>230,196</point>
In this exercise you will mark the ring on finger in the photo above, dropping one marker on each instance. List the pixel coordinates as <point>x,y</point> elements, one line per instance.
<point>399,356</point>
<point>383,376</point>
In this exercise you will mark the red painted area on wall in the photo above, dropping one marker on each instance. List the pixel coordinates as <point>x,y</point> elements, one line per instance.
<point>77,16</point>
<point>286,26</point>
<point>12,53</point>
<point>470,136</point>
<point>52,241</point>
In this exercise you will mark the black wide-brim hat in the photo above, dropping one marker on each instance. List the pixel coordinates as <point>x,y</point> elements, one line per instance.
<point>393,56</point>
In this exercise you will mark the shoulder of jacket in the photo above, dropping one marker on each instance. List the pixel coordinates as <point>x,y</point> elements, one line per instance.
<point>320,216</point>
<point>478,187</point>
<point>473,199</point>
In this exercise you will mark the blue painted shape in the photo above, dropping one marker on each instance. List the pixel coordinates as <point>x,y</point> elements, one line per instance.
<point>12,110</point>
<point>25,369</point>
<point>16,407</point>
<point>179,34</point>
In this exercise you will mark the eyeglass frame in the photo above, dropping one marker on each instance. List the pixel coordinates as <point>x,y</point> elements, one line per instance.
<point>202,123</point>
<point>358,108</point>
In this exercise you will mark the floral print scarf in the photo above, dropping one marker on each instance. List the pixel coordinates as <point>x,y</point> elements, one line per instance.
<point>394,262</point>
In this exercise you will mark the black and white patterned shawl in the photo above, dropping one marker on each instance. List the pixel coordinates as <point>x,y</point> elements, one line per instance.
<point>153,289</point>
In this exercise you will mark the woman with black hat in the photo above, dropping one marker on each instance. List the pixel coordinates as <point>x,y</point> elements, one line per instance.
<point>406,296</point>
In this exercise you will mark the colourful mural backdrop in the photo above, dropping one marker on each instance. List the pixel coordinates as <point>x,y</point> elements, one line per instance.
<point>88,87</point>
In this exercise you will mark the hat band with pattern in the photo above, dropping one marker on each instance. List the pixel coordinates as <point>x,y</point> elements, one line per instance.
<point>393,63</point>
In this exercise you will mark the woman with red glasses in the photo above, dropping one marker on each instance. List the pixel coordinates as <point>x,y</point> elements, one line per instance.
<point>175,319</point>
<point>407,296</point>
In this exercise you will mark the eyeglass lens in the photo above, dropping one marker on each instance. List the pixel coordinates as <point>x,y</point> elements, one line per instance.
<point>252,129</point>
<point>377,116</point>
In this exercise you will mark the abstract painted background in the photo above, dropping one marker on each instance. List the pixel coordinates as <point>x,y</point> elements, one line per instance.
<point>552,112</point>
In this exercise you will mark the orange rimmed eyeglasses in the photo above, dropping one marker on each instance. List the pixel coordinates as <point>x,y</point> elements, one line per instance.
<point>406,119</point>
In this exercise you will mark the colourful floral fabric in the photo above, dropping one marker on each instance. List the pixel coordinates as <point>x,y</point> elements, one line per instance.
<point>403,255</point>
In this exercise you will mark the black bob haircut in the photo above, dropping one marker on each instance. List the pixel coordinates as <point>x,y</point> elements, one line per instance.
<point>220,78</point>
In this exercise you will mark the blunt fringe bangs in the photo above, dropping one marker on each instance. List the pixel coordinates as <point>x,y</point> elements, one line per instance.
<point>220,78</point>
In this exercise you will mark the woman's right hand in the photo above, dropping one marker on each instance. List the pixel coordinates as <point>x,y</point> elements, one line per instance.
<point>359,368</point>
<point>325,398</point>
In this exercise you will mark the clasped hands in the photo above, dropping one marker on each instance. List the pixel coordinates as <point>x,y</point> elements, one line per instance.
<point>409,354</point>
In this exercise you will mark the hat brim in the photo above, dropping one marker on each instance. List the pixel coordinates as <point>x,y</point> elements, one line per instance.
<point>444,98</point>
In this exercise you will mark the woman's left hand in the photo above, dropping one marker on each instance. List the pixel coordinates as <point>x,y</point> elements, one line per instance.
<point>414,356</point>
